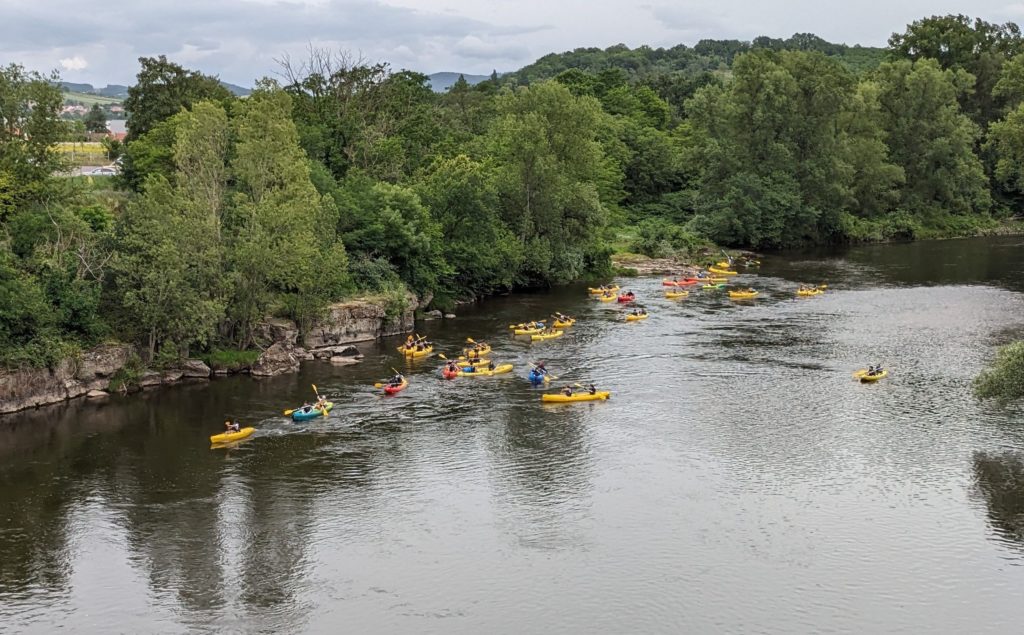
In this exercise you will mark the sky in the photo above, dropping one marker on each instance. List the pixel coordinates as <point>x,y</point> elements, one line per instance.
<point>240,40</point>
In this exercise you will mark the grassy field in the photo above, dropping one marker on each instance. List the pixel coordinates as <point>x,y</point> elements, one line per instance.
<point>88,99</point>
<point>83,153</point>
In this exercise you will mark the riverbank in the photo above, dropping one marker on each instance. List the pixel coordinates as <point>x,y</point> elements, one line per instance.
<point>116,367</point>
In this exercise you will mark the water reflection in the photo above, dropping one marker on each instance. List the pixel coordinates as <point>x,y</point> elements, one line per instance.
<point>999,479</point>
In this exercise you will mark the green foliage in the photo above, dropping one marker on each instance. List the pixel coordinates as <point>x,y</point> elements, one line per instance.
<point>659,239</point>
<point>230,359</point>
<point>163,89</point>
<point>95,120</point>
<point>1004,381</point>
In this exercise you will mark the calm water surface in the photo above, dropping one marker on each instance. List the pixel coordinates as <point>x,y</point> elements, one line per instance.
<point>738,480</point>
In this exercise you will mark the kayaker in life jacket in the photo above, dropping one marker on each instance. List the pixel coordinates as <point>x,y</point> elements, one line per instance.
<point>232,426</point>
<point>306,407</point>
<point>490,365</point>
<point>593,389</point>
<point>472,354</point>
<point>395,381</point>
<point>567,391</point>
<point>452,367</point>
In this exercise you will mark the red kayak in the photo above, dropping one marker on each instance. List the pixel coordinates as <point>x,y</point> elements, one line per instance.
<point>391,390</point>
<point>686,281</point>
<point>627,298</point>
<point>449,374</point>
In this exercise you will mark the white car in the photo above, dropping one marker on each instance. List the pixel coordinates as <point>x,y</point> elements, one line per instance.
<point>104,171</point>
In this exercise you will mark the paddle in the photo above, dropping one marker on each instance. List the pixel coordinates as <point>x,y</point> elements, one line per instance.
<point>289,412</point>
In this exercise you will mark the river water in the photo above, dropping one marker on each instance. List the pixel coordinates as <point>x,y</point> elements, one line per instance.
<point>738,480</point>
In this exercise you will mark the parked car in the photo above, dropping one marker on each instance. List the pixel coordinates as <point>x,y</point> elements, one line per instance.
<point>104,171</point>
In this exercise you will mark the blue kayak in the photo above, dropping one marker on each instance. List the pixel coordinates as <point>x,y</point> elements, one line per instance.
<point>312,413</point>
<point>535,378</point>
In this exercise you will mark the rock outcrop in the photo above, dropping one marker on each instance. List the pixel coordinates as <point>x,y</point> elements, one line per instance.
<point>276,360</point>
<point>194,369</point>
<point>71,378</point>
<point>357,321</point>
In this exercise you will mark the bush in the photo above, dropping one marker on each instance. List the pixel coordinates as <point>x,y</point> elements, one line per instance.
<point>230,359</point>
<point>661,239</point>
<point>1004,381</point>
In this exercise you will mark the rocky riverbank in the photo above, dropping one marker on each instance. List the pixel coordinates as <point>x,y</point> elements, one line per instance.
<point>111,367</point>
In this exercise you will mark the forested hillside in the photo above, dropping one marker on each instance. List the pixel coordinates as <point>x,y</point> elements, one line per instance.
<point>348,178</point>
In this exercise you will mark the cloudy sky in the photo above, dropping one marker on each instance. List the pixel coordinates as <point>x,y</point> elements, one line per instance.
<point>99,42</point>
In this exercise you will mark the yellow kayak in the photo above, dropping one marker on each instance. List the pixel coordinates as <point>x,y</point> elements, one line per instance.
<point>546,336</point>
<point>579,396</point>
<point>634,318</point>
<point>416,353</point>
<point>723,265</point>
<point>483,350</point>
<point>673,295</point>
<point>866,378</point>
<point>809,292</point>
<point>723,272</point>
<point>594,291</point>
<point>528,331</point>
<point>500,369</point>
<point>716,280</point>
<point>561,325</point>
<point>228,437</point>
<point>742,295</point>
<point>606,298</point>
<point>527,325</point>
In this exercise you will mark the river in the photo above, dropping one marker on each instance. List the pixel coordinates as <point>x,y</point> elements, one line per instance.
<point>738,480</point>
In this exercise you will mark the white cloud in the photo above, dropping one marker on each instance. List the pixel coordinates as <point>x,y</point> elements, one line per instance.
<point>76,63</point>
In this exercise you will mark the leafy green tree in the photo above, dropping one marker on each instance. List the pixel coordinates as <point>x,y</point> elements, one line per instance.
<point>163,88</point>
<point>481,253</point>
<point>1006,140</point>
<point>384,221</point>
<point>166,271</point>
<point>931,139</point>
<point>1004,381</point>
<point>956,42</point>
<point>283,251</point>
<point>95,119</point>
<point>29,128</point>
<point>549,175</point>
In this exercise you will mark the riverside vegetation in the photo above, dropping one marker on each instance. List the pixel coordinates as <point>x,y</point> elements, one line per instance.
<point>346,178</point>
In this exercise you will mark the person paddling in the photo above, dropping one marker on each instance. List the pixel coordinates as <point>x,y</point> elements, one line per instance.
<point>567,391</point>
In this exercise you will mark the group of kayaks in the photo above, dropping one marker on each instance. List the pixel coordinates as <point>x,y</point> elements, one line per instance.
<point>472,362</point>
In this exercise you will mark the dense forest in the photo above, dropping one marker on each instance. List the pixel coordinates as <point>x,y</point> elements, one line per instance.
<point>346,177</point>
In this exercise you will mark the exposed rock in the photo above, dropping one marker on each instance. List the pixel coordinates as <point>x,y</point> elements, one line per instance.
<point>31,387</point>
<point>220,372</point>
<point>103,361</point>
<point>28,388</point>
<point>273,330</point>
<point>194,369</point>
<point>425,301</point>
<point>338,360</point>
<point>449,316</point>
<point>171,376</point>
<point>275,360</point>
<point>149,379</point>
<point>357,321</point>
<point>433,315</point>
<point>96,394</point>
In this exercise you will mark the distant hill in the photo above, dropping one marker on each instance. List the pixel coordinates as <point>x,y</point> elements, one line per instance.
<point>236,90</point>
<point>118,92</point>
<point>441,82</point>
<point>706,56</point>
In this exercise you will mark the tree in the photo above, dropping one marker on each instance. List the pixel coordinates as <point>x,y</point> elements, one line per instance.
<point>1004,381</point>
<point>283,250</point>
<point>95,120</point>
<point>931,139</point>
<point>549,175</point>
<point>1006,140</point>
<point>29,129</point>
<point>482,254</point>
<point>958,43</point>
<point>163,88</point>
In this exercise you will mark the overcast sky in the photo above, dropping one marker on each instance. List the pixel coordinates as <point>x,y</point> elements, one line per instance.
<point>99,42</point>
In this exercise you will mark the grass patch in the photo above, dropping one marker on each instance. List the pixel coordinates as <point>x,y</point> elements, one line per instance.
<point>230,359</point>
